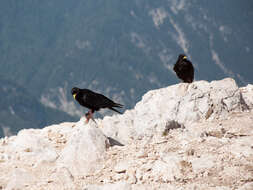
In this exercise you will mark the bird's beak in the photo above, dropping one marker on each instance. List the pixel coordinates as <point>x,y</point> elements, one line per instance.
<point>184,57</point>
<point>74,96</point>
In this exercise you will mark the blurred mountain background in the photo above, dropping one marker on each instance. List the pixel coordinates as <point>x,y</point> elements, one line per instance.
<point>119,48</point>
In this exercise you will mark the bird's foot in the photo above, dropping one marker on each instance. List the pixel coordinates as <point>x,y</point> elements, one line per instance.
<point>89,116</point>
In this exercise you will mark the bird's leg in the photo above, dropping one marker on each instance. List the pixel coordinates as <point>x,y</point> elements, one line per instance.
<point>89,116</point>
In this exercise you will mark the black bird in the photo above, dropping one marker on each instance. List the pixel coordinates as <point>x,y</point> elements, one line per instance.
<point>93,101</point>
<point>184,69</point>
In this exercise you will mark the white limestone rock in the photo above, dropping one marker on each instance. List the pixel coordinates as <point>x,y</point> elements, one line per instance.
<point>247,95</point>
<point>84,151</point>
<point>122,167</point>
<point>165,171</point>
<point>33,148</point>
<point>207,145</point>
<point>184,103</point>
<point>203,163</point>
<point>116,186</point>
<point>20,179</point>
<point>247,186</point>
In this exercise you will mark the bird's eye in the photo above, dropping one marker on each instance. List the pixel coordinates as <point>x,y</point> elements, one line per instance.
<point>184,57</point>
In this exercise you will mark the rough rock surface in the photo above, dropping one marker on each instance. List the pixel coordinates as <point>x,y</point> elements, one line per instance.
<point>184,103</point>
<point>185,136</point>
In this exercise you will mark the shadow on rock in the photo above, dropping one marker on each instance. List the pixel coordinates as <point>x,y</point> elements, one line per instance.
<point>172,125</point>
<point>114,142</point>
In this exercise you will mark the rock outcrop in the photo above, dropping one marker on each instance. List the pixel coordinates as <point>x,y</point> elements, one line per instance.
<point>185,136</point>
<point>184,103</point>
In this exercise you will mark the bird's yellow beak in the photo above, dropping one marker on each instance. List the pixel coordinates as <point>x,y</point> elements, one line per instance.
<point>74,96</point>
<point>184,57</point>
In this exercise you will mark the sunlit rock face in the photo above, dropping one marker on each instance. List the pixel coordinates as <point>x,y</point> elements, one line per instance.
<point>184,103</point>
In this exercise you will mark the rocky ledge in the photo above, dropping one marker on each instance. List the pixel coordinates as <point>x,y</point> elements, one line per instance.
<point>185,136</point>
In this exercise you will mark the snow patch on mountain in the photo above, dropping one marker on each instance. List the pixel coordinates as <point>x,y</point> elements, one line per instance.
<point>140,42</point>
<point>167,59</point>
<point>47,102</point>
<point>177,5</point>
<point>225,31</point>
<point>154,80</point>
<point>219,63</point>
<point>217,60</point>
<point>179,37</point>
<point>57,99</point>
<point>83,44</point>
<point>11,110</point>
<point>158,16</point>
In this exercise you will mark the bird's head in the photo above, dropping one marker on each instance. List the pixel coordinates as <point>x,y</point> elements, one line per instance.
<point>75,91</point>
<point>182,57</point>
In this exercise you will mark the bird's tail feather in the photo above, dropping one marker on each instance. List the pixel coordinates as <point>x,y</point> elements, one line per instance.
<point>115,110</point>
<point>118,105</point>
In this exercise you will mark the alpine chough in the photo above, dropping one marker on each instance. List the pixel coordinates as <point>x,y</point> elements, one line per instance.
<point>93,101</point>
<point>184,69</point>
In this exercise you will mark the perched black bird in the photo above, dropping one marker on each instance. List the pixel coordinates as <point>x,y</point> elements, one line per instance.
<point>184,69</point>
<point>93,101</point>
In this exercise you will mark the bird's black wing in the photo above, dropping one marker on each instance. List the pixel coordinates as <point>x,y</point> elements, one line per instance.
<point>104,102</point>
<point>95,101</point>
<point>87,98</point>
